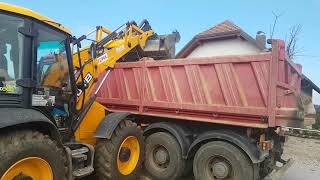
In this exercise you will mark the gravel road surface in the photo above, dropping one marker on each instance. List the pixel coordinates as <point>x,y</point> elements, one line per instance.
<point>306,155</point>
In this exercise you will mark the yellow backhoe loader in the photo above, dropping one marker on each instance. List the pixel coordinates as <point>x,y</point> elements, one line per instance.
<point>51,127</point>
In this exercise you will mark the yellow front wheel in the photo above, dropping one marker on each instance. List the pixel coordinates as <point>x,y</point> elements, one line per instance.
<point>121,156</point>
<point>29,168</point>
<point>30,155</point>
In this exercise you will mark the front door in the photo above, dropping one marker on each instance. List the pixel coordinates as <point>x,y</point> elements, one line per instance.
<point>53,91</point>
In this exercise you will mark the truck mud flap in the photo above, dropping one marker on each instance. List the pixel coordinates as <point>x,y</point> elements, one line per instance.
<point>278,173</point>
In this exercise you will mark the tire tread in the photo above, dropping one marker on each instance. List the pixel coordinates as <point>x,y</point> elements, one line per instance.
<point>105,150</point>
<point>13,142</point>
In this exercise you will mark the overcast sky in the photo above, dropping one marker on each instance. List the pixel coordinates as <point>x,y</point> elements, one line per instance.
<point>191,17</point>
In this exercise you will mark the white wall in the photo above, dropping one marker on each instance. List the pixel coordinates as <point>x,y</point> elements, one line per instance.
<point>224,47</point>
<point>316,97</point>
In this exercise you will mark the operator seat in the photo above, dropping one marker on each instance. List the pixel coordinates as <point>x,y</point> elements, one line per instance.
<point>3,62</point>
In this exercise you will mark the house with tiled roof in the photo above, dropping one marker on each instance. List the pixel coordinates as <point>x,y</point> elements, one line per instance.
<point>226,38</point>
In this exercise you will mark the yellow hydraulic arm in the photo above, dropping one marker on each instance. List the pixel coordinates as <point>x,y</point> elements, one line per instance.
<point>90,62</point>
<point>105,52</point>
<point>128,42</point>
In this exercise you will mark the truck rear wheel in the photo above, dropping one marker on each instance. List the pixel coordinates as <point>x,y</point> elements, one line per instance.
<point>120,157</point>
<point>163,157</point>
<point>221,160</point>
<point>30,155</point>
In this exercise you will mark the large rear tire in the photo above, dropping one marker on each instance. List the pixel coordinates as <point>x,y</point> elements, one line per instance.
<point>120,157</point>
<point>221,160</point>
<point>163,157</point>
<point>31,155</point>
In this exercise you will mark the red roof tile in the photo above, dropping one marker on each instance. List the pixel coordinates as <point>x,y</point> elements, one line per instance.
<point>224,27</point>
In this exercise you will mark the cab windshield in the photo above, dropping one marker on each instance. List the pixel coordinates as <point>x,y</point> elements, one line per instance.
<point>11,53</point>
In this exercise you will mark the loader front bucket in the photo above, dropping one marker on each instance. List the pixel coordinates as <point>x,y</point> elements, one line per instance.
<point>157,47</point>
<point>162,46</point>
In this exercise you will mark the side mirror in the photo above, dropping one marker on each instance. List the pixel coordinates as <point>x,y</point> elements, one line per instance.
<point>93,50</point>
<point>77,41</point>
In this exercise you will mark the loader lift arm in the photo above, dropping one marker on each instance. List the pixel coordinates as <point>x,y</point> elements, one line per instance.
<point>100,57</point>
<point>125,43</point>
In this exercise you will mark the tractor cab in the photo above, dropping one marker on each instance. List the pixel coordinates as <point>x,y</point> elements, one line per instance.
<point>35,65</point>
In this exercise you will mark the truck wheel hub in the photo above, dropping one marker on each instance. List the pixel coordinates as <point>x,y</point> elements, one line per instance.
<point>128,155</point>
<point>124,154</point>
<point>220,170</point>
<point>161,156</point>
<point>22,177</point>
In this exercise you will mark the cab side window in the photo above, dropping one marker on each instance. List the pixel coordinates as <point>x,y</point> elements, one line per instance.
<point>52,64</point>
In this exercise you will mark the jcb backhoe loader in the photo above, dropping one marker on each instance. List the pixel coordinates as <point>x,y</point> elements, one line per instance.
<point>51,127</point>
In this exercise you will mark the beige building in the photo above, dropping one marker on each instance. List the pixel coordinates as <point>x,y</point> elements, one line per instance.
<point>227,38</point>
<point>223,39</point>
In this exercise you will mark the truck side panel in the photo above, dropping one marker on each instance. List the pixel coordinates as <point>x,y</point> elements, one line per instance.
<point>234,90</point>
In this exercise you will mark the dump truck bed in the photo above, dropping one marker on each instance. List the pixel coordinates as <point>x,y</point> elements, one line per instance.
<point>259,91</point>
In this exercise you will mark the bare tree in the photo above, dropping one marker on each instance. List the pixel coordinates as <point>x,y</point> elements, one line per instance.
<point>293,50</point>
<point>273,27</point>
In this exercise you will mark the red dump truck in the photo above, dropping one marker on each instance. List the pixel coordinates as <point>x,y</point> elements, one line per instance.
<point>221,116</point>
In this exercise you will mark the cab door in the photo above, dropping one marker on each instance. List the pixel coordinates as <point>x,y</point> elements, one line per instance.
<point>53,92</point>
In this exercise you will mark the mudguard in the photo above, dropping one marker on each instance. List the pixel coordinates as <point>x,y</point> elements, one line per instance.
<point>109,124</point>
<point>21,117</point>
<point>224,135</point>
<point>179,132</point>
